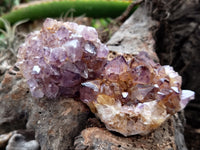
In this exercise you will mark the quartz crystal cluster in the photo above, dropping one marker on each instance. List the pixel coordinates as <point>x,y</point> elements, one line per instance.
<point>130,97</point>
<point>135,97</point>
<point>56,59</point>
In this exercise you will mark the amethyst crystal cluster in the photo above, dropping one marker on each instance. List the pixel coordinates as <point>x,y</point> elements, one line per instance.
<point>58,58</point>
<point>135,97</point>
<point>130,97</point>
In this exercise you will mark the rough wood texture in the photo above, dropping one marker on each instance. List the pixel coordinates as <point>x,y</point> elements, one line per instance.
<point>135,35</point>
<point>178,45</point>
<point>163,138</point>
<point>178,37</point>
<point>55,122</point>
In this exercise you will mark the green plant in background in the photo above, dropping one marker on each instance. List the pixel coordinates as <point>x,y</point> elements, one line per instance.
<point>54,8</point>
<point>102,22</point>
<point>103,25</point>
<point>6,5</point>
<point>8,37</point>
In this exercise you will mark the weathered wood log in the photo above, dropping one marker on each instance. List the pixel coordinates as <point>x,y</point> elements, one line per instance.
<point>178,45</point>
<point>55,122</point>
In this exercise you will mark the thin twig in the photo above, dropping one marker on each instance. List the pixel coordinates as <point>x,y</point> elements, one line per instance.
<point>126,13</point>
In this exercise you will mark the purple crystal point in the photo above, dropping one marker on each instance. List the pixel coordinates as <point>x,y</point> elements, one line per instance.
<point>59,57</point>
<point>116,66</point>
<point>186,96</point>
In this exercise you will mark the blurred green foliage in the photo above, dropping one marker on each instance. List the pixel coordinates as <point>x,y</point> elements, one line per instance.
<point>8,37</point>
<point>102,22</point>
<point>6,5</point>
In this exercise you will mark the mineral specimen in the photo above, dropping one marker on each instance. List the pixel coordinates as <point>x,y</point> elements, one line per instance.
<point>58,58</point>
<point>135,97</point>
<point>130,97</point>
